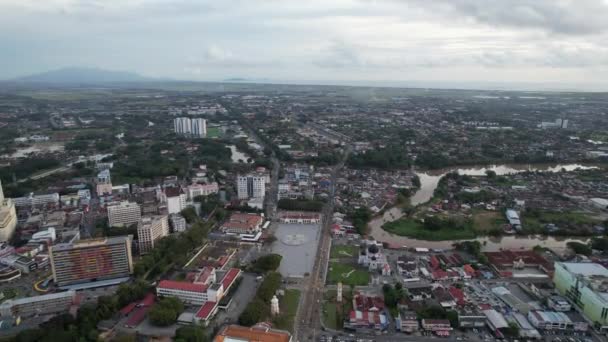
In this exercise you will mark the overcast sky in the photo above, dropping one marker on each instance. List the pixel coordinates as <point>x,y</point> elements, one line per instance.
<point>564,41</point>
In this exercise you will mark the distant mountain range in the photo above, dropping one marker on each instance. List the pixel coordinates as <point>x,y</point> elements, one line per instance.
<point>83,76</point>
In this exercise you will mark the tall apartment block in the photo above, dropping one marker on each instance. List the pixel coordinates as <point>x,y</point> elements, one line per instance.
<point>251,186</point>
<point>196,127</point>
<point>123,214</point>
<point>104,183</point>
<point>89,263</point>
<point>8,217</point>
<point>150,229</point>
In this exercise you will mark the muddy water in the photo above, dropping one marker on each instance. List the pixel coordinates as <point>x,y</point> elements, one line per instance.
<point>428,184</point>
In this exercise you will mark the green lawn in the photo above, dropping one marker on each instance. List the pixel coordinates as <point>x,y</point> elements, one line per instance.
<point>488,221</point>
<point>9,293</point>
<point>414,229</point>
<point>535,222</point>
<point>344,251</point>
<point>329,315</point>
<point>347,274</point>
<point>331,318</point>
<point>213,132</point>
<point>288,306</point>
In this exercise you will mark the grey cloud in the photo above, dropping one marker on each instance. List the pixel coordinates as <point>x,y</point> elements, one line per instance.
<point>556,16</point>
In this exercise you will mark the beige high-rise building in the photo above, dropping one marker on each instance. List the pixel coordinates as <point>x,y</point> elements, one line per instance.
<point>150,229</point>
<point>87,261</point>
<point>8,217</point>
<point>123,214</point>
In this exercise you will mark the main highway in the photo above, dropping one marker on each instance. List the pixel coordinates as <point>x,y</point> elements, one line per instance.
<point>308,318</point>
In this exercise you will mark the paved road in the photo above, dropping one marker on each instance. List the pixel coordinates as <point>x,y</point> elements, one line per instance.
<point>308,318</point>
<point>273,190</point>
<point>241,298</point>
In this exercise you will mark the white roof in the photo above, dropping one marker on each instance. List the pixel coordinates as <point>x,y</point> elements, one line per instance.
<point>585,269</point>
<point>600,201</point>
<point>496,319</point>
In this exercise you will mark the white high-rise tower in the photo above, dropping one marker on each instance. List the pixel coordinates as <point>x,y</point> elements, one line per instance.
<point>8,217</point>
<point>192,127</point>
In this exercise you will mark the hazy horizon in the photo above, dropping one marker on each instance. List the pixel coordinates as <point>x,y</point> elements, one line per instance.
<point>556,44</point>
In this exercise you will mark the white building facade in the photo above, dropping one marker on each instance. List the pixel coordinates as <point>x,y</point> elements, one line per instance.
<point>150,229</point>
<point>251,186</point>
<point>196,127</point>
<point>123,214</point>
<point>8,217</point>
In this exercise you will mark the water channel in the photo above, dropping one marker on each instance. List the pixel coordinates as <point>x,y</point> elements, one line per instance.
<point>428,183</point>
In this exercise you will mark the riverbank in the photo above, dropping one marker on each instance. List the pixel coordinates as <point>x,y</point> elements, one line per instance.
<point>428,183</point>
<point>415,229</point>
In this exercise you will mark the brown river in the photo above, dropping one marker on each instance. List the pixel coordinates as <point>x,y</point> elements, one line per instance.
<point>428,183</point>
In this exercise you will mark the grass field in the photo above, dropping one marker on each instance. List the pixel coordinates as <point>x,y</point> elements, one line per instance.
<point>569,220</point>
<point>414,229</point>
<point>213,132</point>
<point>331,317</point>
<point>343,251</point>
<point>347,274</point>
<point>288,306</point>
<point>486,221</point>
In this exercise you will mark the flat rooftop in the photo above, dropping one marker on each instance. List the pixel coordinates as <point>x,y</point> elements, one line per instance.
<point>586,269</point>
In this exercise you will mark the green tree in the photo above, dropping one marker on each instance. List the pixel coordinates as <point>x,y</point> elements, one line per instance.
<point>267,263</point>
<point>453,317</point>
<point>269,286</point>
<point>600,244</point>
<point>191,333</point>
<point>579,248</point>
<point>360,218</point>
<point>166,311</point>
<point>256,311</point>
<point>189,214</point>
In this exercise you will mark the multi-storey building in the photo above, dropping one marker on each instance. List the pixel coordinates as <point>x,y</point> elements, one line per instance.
<point>407,322</point>
<point>260,334</point>
<point>203,289</point>
<point>123,214</point>
<point>251,186</point>
<point>39,200</point>
<point>85,263</point>
<point>239,223</point>
<point>586,286</point>
<point>8,217</point>
<point>178,223</point>
<point>38,305</point>
<point>104,183</point>
<point>199,127</point>
<point>175,199</point>
<point>196,127</point>
<point>150,229</point>
<point>195,190</point>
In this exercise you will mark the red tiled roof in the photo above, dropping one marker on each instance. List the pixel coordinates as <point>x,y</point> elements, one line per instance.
<point>172,192</point>
<point>205,310</point>
<point>183,286</point>
<point>148,300</point>
<point>243,221</point>
<point>468,269</point>
<point>439,274</point>
<point>230,277</point>
<point>457,294</point>
<point>127,309</point>
<point>203,276</point>
<point>301,216</point>
<point>222,260</point>
<point>137,317</point>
